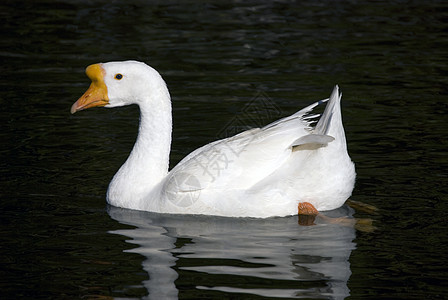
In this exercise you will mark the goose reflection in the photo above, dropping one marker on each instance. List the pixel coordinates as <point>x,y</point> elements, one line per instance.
<point>272,257</point>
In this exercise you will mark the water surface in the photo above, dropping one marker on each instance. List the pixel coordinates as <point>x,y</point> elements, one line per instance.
<point>59,239</point>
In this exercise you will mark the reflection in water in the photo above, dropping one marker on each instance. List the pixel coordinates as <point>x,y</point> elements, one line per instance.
<point>311,261</point>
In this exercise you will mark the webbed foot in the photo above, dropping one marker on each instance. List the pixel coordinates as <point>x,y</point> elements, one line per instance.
<point>307,213</point>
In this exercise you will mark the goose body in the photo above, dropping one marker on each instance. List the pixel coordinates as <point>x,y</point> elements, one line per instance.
<point>262,172</point>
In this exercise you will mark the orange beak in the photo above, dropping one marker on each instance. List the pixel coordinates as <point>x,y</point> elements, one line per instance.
<point>96,95</point>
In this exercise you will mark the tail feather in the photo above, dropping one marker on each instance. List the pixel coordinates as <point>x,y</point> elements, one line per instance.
<point>331,115</point>
<point>329,126</point>
<point>304,114</point>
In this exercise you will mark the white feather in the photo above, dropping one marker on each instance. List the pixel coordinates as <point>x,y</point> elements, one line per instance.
<point>261,172</point>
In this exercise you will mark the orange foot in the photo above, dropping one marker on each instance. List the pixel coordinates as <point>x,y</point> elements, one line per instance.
<point>306,208</point>
<point>307,214</point>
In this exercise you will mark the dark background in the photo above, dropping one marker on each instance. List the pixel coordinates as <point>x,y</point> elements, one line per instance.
<point>388,57</point>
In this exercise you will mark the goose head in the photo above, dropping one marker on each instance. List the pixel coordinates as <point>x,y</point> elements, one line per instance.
<point>119,83</point>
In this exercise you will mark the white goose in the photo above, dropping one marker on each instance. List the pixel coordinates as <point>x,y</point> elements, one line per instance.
<point>262,172</point>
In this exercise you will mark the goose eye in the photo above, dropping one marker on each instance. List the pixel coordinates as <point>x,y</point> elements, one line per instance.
<point>118,76</point>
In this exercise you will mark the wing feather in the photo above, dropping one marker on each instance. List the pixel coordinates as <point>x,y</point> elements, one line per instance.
<point>245,159</point>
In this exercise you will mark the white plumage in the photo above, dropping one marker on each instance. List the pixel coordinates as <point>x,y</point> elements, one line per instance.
<point>261,172</point>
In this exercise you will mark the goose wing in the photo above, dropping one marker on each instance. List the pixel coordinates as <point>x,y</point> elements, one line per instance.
<point>241,161</point>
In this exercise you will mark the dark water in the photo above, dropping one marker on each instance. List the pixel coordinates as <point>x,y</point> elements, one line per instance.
<point>59,240</point>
